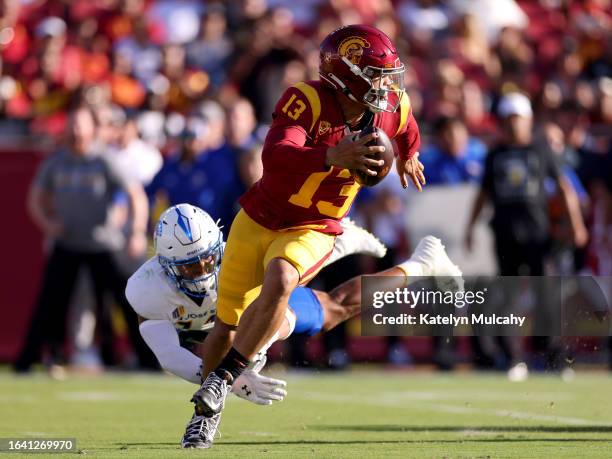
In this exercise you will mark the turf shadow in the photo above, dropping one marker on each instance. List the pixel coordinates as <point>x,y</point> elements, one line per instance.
<point>487,428</point>
<point>152,443</point>
<point>156,445</point>
<point>391,442</point>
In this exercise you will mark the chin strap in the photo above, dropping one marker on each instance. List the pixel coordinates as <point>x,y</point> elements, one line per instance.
<point>355,69</point>
<point>338,84</point>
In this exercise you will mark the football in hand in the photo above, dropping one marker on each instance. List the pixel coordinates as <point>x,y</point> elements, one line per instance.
<point>388,155</point>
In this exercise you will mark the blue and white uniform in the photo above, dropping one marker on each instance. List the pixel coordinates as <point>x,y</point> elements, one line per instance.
<point>154,296</point>
<point>177,311</point>
<point>174,321</point>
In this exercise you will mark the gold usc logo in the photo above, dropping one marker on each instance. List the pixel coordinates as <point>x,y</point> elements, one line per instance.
<point>352,48</point>
<point>324,127</point>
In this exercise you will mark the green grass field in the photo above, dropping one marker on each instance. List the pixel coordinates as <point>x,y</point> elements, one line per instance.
<point>367,413</point>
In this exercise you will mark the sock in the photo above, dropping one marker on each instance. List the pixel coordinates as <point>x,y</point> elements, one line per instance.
<point>412,268</point>
<point>234,363</point>
<point>419,264</point>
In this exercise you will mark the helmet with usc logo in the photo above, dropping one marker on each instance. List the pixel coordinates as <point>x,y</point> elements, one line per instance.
<point>362,63</point>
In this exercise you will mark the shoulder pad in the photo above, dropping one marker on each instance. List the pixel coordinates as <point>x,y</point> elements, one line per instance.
<point>301,104</point>
<point>146,291</point>
<point>404,111</point>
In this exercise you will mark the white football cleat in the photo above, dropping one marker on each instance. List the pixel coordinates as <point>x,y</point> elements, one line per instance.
<point>430,259</point>
<point>518,373</point>
<point>354,240</point>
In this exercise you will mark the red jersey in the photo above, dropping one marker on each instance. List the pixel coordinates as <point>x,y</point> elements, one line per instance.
<point>297,190</point>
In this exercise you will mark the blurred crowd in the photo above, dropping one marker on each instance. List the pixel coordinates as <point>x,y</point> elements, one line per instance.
<point>181,92</point>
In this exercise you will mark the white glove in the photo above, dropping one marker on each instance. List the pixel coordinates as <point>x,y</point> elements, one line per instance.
<point>259,389</point>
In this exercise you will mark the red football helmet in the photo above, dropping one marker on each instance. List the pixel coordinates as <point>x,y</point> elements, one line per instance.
<point>362,62</point>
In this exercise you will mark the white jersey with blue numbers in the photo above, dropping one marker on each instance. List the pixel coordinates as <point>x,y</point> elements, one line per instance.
<point>154,296</point>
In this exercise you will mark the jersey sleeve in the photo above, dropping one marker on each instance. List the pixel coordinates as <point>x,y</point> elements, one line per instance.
<point>409,138</point>
<point>143,296</point>
<point>294,118</point>
<point>161,337</point>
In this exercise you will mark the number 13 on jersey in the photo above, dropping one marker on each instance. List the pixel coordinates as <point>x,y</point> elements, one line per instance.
<point>294,111</point>
<point>303,197</point>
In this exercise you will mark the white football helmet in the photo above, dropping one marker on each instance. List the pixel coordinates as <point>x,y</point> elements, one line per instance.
<point>189,246</point>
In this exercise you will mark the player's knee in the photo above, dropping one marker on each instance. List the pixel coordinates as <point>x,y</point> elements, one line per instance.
<point>339,308</point>
<point>337,295</point>
<point>221,329</point>
<point>334,315</point>
<point>281,278</point>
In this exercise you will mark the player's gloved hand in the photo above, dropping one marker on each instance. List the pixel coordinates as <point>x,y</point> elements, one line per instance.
<point>259,389</point>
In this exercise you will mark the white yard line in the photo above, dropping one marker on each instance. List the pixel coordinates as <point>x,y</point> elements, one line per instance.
<point>446,408</point>
<point>423,401</point>
<point>475,433</point>
<point>392,398</point>
<point>252,433</point>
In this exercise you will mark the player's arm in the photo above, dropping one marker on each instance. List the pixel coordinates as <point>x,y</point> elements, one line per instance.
<point>294,119</point>
<point>158,331</point>
<point>162,338</point>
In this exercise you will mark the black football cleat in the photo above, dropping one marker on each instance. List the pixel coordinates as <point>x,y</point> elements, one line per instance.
<point>210,397</point>
<point>200,432</point>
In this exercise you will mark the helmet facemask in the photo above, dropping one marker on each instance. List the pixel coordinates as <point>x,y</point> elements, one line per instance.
<point>380,81</point>
<point>196,276</point>
<point>383,82</point>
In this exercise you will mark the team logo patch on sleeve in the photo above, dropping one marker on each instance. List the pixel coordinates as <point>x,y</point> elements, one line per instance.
<point>324,127</point>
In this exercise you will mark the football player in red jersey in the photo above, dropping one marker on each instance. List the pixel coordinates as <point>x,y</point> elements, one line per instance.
<point>287,227</point>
